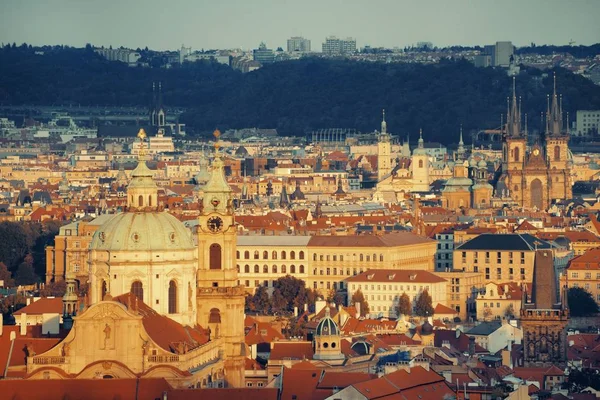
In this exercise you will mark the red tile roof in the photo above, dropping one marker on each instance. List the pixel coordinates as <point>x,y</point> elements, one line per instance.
<point>389,275</point>
<point>164,331</point>
<point>42,306</point>
<point>291,350</point>
<point>388,240</point>
<point>85,389</point>
<point>221,394</point>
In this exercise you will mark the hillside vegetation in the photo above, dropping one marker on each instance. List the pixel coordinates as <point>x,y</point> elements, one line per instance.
<point>294,96</point>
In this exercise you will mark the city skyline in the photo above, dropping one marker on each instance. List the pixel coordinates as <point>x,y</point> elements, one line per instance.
<point>388,24</point>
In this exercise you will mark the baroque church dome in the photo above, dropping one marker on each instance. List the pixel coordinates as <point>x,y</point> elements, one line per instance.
<point>327,327</point>
<point>141,231</point>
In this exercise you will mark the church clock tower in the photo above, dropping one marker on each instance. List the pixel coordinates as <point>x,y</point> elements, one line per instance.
<point>220,300</point>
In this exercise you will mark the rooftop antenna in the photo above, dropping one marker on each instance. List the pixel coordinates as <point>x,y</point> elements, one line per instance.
<point>567,122</point>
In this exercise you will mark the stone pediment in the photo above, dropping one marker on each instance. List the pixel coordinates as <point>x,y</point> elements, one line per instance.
<point>106,310</point>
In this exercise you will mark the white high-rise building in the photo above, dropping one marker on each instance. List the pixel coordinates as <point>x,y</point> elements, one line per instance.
<point>298,44</point>
<point>336,46</point>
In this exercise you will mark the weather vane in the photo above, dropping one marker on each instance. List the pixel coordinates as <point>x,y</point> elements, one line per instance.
<point>217,134</point>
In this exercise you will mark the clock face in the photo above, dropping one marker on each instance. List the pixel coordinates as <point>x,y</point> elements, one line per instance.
<point>215,224</point>
<point>536,152</point>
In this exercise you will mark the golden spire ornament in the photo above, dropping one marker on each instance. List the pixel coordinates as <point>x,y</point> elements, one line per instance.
<point>142,136</point>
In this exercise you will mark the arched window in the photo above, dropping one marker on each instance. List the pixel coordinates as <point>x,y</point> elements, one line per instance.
<point>283,255</point>
<point>104,289</point>
<point>301,255</point>
<point>265,269</point>
<point>315,257</point>
<point>265,255</point>
<point>368,257</point>
<point>141,201</point>
<point>283,269</point>
<point>247,255</point>
<point>172,297</point>
<point>361,257</point>
<point>292,269</point>
<point>215,256</point>
<point>374,257</point>
<point>237,254</point>
<point>256,269</point>
<point>420,163</point>
<point>256,254</point>
<point>274,255</point>
<point>517,154</point>
<point>149,201</point>
<point>215,316</point>
<point>381,257</point>
<point>321,257</point>
<point>516,188</point>
<point>302,269</point>
<point>138,290</point>
<point>274,269</point>
<point>247,268</point>
<point>556,153</point>
<point>292,255</point>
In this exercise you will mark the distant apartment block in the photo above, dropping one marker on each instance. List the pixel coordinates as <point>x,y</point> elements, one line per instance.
<point>124,55</point>
<point>298,44</point>
<point>335,46</point>
<point>186,54</point>
<point>500,55</point>
<point>588,122</point>
<point>263,55</point>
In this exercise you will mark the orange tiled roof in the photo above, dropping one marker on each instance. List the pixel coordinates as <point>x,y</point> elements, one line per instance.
<point>42,306</point>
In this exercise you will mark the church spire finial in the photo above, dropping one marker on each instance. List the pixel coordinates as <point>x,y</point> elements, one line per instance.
<point>460,141</point>
<point>383,123</point>
<point>142,136</point>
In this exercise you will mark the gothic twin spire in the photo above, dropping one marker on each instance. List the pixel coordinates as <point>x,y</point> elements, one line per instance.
<point>554,115</point>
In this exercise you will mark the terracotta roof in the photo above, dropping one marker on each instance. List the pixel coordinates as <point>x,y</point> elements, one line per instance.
<point>260,332</point>
<point>590,260</point>
<point>388,240</point>
<point>85,389</point>
<point>442,309</point>
<point>219,394</point>
<point>416,383</point>
<point>43,306</point>
<point>164,331</point>
<point>291,350</point>
<point>388,275</point>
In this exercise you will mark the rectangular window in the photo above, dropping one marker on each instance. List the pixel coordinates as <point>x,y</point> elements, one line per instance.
<point>575,275</point>
<point>588,275</point>
<point>487,273</point>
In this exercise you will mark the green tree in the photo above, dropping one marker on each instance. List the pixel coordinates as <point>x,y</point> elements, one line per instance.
<point>294,292</point>
<point>25,273</point>
<point>259,302</point>
<point>423,307</point>
<point>359,297</point>
<point>581,302</point>
<point>278,302</point>
<point>404,306</point>
<point>56,289</point>
<point>6,276</point>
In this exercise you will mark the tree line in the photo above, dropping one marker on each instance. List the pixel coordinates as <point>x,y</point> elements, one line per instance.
<point>294,96</point>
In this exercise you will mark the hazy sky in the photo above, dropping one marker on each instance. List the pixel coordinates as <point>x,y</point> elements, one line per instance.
<point>167,24</point>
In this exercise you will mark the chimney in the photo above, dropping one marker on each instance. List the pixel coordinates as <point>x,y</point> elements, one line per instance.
<point>471,346</point>
<point>357,306</point>
<point>319,305</point>
<point>296,311</point>
<point>23,327</point>
<point>305,307</point>
<point>506,356</point>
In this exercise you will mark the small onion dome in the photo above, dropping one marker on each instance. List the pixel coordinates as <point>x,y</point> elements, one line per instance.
<point>361,347</point>
<point>426,328</point>
<point>482,164</point>
<point>327,327</point>
<point>472,162</point>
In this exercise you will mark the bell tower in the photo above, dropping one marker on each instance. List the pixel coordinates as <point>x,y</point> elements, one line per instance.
<point>384,150</point>
<point>220,300</point>
<point>557,149</point>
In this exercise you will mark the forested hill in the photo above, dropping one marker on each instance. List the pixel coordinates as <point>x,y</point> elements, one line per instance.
<point>294,96</point>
